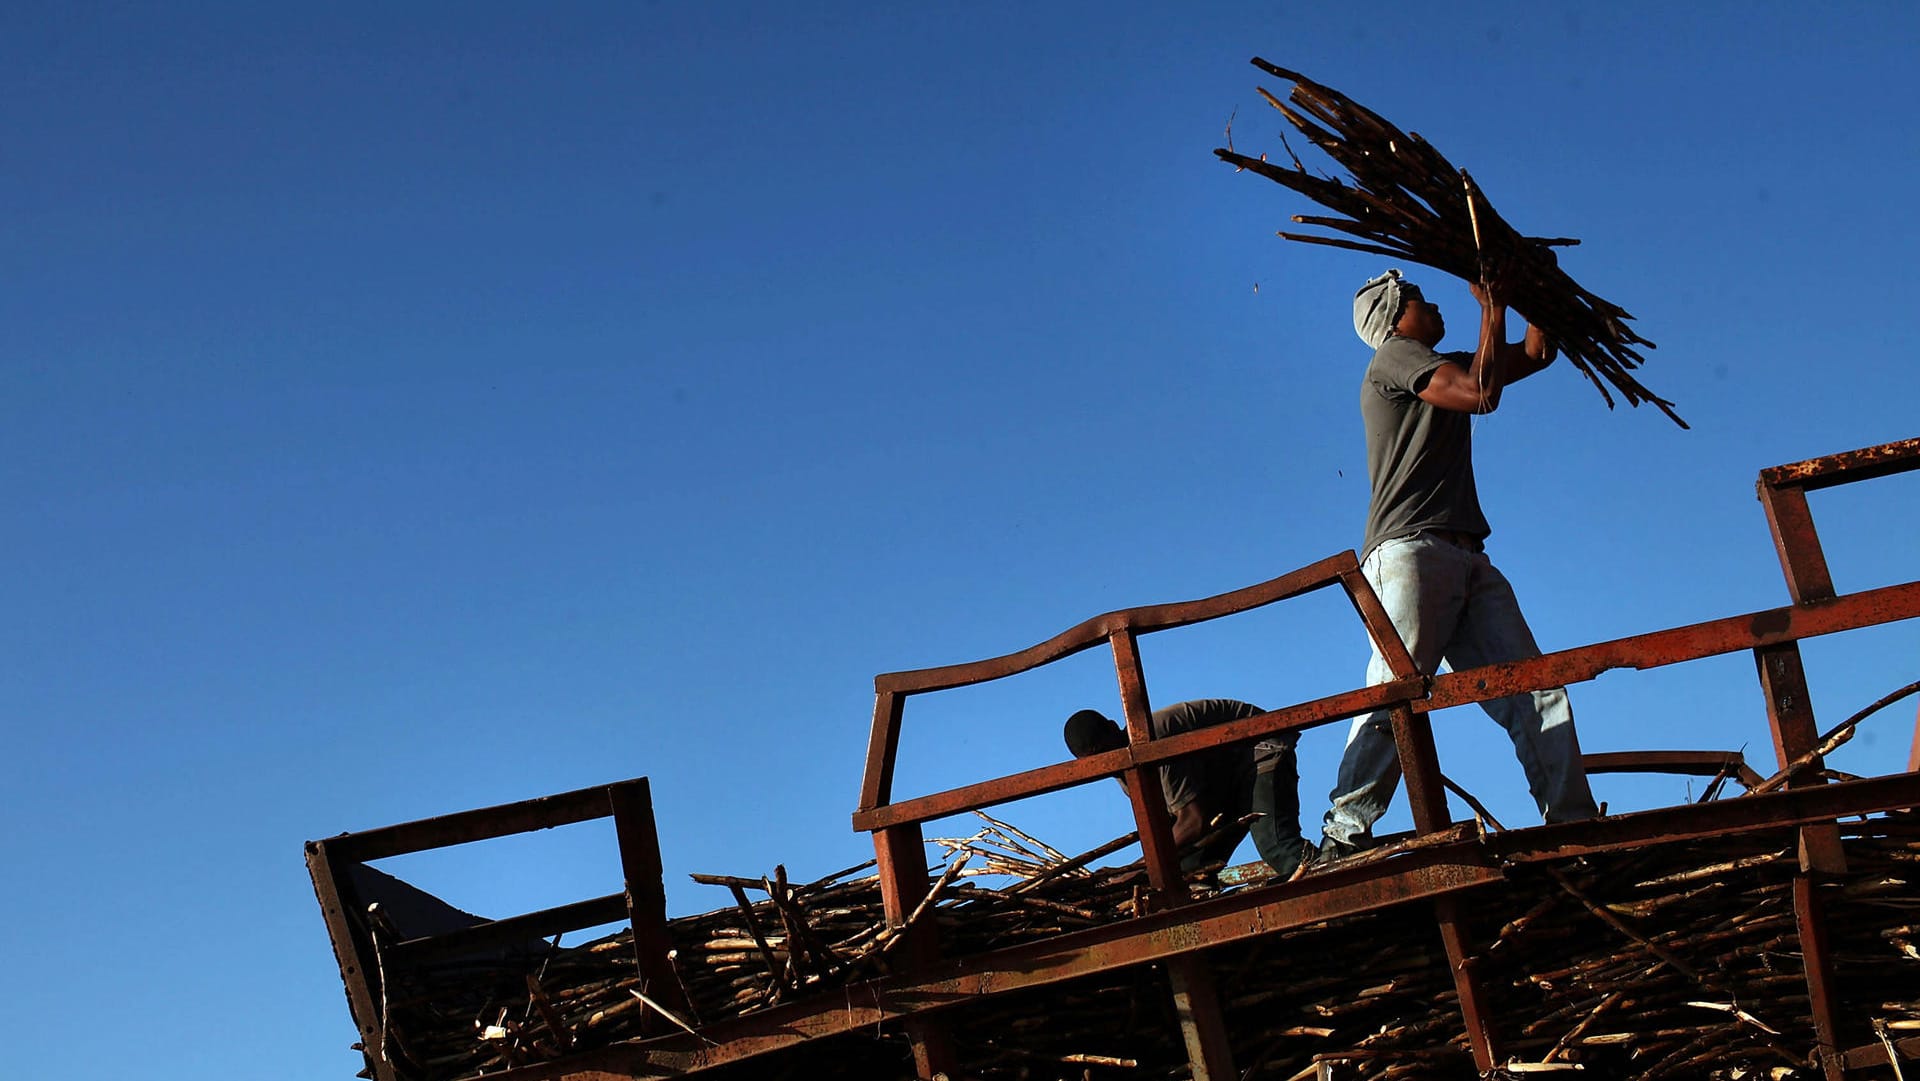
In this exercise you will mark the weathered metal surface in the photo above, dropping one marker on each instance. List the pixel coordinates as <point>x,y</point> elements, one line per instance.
<point>1688,643</point>
<point>483,824</point>
<point>1203,1024</point>
<point>1196,1003</point>
<point>1846,467</point>
<point>1797,543</point>
<point>1875,1054</point>
<point>1067,774</point>
<point>514,929</point>
<point>883,749</point>
<point>1141,620</point>
<point>1380,629</point>
<point>1688,763</point>
<point>1460,960</point>
<point>1695,821</point>
<point>1810,921</point>
<point>351,950</point>
<point>901,859</point>
<point>631,804</point>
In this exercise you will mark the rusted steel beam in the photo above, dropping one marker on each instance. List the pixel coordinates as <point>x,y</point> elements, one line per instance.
<point>1203,1024</point>
<point>1809,910</point>
<point>883,749</point>
<point>1233,917</point>
<point>1196,1003</point>
<point>1420,767</point>
<point>353,953</point>
<point>1463,961</point>
<point>1379,625</point>
<point>1771,627</point>
<point>1694,821</point>
<point>1052,778</point>
<point>1797,543</point>
<point>483,824</point>
<point>631,803</point>
<point>1846,467</point>
<point>1913,752</point>
<point>533,925</point>
<point>901,861</point>
<point>1143,781</point>
<point>1684,763</point>
<point>1795,733</point>
<point>1875,1054</point>
<point>1141,620</point>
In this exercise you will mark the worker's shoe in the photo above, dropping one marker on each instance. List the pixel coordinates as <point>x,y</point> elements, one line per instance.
<point>1332,849</point>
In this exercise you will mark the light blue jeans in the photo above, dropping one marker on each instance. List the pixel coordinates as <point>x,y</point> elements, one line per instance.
<point>1451,602</point>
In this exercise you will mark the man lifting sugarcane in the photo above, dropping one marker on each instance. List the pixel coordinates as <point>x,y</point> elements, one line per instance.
<point>1424,550</point>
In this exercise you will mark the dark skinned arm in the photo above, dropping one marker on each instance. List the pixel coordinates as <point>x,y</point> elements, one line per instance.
<point>1496,361</point>
<point>1188,825</point>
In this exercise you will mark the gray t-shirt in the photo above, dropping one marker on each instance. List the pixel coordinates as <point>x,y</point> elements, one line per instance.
<point>1419,456</point>
<point>1222,778</point>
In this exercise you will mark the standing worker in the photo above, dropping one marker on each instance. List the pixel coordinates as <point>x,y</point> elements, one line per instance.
<point>1424,550</point>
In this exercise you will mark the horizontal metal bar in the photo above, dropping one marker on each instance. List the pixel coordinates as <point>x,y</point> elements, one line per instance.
<point>1096,631</point>
<point>1659,648</point>
<point>548,921</point>
<point>1686,763</point>
<point>1052,778</point>
<point>1846,467</point>
<point>1875,1054</point>
<point>483,824</point>
<point>1695,821</point>
<point>1234,917</point>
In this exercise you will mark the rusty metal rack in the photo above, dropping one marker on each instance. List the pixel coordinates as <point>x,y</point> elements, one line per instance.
<point>368,958</point>
<point>1430,876</point>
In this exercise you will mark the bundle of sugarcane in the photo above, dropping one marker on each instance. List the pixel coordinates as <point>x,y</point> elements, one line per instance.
<point>1407,201</point>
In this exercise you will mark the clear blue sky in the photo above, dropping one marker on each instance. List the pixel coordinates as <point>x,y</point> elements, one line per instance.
<point>417,407</point>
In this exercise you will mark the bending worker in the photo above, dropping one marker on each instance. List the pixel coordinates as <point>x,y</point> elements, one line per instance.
<point>1212,793</point>
<point>1424,551</point>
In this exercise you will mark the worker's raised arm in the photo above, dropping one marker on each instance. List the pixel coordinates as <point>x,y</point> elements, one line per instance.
<point>1496,361</point>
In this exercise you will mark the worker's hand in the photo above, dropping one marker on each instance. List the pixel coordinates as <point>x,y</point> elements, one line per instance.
<point>1494,292</point>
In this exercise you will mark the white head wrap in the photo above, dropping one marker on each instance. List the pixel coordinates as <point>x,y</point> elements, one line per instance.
<point>1377,305</point>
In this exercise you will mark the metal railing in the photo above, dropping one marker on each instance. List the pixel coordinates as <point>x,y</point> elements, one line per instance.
<point>1772,636</point>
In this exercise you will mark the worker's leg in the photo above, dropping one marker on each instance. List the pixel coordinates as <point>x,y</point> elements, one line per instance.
<point>1422,584</point>
<point>1493,631</point>
<point>1215,849</point>
<point>1276,799</point>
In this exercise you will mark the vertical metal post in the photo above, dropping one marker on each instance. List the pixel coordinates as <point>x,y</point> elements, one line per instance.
<point>1427,796</point>
<point>1420,767</point>
<point>902,857</point>
<point>1143,782</point>
<point>1913,754</point>
<point>1196,1002</point>
<point>354,954</point>
<point>631,804</point>
<point>1797,542</point>
<point>1783,679</point>
<point>876,786</point>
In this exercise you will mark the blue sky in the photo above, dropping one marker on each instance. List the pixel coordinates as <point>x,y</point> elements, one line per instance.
<point>416,408</point>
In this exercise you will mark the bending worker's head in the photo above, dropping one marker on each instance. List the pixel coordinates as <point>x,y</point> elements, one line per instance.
<point>1092,732</point>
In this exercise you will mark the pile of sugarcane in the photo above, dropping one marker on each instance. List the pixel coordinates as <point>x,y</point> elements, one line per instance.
<point>1404,199</point>
<point>1672,961</point>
